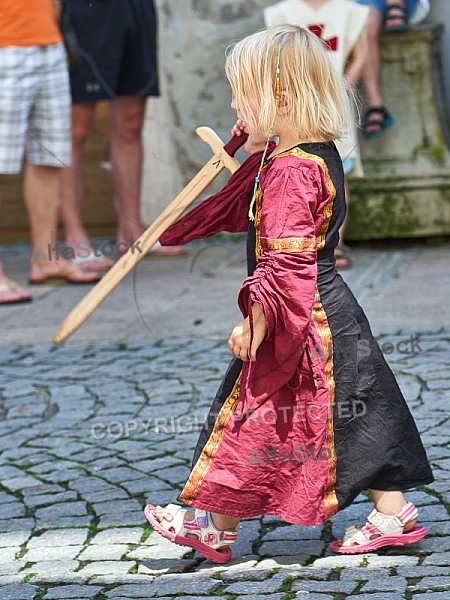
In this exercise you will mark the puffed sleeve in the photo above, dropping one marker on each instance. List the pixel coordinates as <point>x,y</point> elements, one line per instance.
<point>284,282</point>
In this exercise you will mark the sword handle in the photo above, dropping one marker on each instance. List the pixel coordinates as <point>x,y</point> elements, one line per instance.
<point>235,143</point>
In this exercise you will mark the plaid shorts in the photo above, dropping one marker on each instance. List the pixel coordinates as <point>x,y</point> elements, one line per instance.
<point>35,107</point>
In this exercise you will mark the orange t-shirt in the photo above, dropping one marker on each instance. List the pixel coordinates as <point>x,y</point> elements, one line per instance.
<point>28,23</point>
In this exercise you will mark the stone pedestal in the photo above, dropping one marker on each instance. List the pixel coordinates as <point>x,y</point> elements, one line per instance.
<point>406,188</point>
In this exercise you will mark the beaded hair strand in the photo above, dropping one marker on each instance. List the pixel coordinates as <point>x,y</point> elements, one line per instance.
<point>251,215</point>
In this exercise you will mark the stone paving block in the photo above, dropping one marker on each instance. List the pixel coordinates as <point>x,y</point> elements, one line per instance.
<point>72,591</point>
<point>165,565</point>
<point>297,560</point>
<point>103,552</point>
<point>52,568</point>
<point>120,519</point>
<point>247,575</point>
<point>63,509</point>
<point>53,553</point>
<point>312,596</point>
<point>106,567</point>
<point>117,507</point>
<point>59,537</point>
<point>363,574</point>
<point>16,525</point>
<point>422,571</point>
<point>437,544</point>
<point>385,584</point>
<point>427,596</point>
<point>175,584</point>
<point>20,483</point>
<point>268,597</point>
<point>302,585</point>
<point>380,596</point>
<point>433,583</point>
<point>313,547</point>
<point>294,532</point>
<point>119,535</point>
<point>48,499</point>
<point>121,474</point>
<point>132,591</point>
<point>440,558</point>
<point>254,587</point>
<point>12,510</point>
<point>18,591</point>
<point>11,566</point>
<point>63,522</point>
<point>14,539</point>
<point>375,561</point>
<point>9,553</point>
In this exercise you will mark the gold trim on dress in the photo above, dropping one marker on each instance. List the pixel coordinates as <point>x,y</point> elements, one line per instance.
<point>211,447</point>
<point>328,210</point>
<point>293,244</point>
<point>320,321</point>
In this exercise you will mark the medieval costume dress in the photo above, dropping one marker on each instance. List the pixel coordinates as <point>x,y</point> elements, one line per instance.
<point>319,416</point>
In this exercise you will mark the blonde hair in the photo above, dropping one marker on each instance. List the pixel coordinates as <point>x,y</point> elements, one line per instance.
<point>318,103</point>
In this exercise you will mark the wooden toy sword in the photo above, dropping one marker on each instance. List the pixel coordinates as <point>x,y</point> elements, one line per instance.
<point>223,158</point>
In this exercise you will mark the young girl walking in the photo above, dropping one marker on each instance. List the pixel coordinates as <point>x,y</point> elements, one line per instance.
<point>308,414</point>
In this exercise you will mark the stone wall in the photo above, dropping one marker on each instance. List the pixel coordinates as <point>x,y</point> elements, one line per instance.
<point>195,35</point>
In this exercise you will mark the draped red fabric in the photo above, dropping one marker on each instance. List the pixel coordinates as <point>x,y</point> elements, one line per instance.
<point>225,211</point>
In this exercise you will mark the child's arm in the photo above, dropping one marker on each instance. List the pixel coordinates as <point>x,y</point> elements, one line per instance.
<point>252,145</point>
<point>358,57</point>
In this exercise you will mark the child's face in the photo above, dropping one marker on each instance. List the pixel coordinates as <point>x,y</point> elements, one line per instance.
<point>243,116</point>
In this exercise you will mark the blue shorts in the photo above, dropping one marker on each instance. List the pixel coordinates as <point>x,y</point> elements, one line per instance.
<point>410,5</point>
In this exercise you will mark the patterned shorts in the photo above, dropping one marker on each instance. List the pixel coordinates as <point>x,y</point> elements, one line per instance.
<point>35,107</point>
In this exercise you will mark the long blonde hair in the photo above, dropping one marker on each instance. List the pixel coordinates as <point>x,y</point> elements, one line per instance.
<point>319,106</point>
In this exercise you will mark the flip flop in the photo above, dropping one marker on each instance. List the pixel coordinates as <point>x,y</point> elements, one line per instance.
<point>11,287</point>
<point>402,539</point>
<point>201,526</point>
<point>383,122</point>
<point>89,264</point>
<point>396,12</point>
<point>65,275</point>
<point>342,257</point>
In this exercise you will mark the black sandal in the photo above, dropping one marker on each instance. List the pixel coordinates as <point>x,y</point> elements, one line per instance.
<point>396,12</point>
<point>378,117</point>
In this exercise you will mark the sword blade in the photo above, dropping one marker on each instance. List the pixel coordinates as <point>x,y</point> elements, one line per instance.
<point>147,240</point>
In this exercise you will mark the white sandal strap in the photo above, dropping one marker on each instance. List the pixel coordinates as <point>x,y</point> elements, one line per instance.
<point>379,524</point>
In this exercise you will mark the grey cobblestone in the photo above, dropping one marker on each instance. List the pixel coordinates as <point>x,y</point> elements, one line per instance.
<point>72,591</point>
<point>97,493</point>
<point>19,591</point>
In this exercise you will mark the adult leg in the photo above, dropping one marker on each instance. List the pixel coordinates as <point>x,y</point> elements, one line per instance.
<point>126,123</point>
<point>371,72</point>
<point>72,182</point>
<point>41,192</point>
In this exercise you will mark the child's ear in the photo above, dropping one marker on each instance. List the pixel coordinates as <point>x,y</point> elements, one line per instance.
<point>283,103</point>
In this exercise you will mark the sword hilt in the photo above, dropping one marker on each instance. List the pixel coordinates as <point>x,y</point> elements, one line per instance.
<point>235,143</point>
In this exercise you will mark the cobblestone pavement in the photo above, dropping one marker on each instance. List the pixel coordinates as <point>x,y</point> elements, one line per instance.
<point>89,434</point>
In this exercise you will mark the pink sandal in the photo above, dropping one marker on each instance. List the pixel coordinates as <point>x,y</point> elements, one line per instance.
<point>211,543</point>
<point>380,530</point>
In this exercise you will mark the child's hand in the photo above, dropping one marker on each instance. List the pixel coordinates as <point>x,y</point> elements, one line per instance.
<point>239,342</point>
<point>251,145</point>
<point>238,128</point>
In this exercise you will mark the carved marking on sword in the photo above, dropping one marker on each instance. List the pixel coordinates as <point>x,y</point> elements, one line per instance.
<point>217,163</point>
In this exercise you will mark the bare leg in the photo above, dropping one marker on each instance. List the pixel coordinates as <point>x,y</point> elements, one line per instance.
<point>371,72</point>
<point>72,183</point>
<point>126,121</point>
<point>41,192</point>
